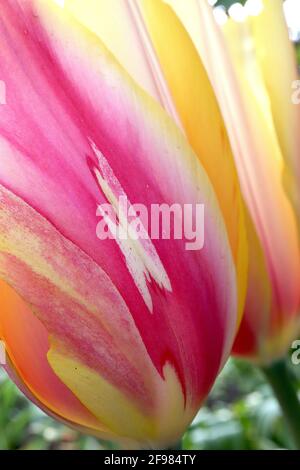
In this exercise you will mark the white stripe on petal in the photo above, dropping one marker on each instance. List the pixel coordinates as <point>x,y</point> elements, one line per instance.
<point>142,259</point>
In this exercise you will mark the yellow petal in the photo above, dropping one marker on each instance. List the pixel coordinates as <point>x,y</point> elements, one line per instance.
<point>242,94</point>
<point>114,23</point>
<point>277,60</point>
<point>116,411</point>
<point>261,165</point>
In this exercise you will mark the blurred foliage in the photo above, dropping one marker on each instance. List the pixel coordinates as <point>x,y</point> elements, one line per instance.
<point>240,413</point>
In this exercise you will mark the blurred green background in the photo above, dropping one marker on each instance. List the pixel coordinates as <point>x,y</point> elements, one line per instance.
<point>240,413</point>
<point>228,3</point>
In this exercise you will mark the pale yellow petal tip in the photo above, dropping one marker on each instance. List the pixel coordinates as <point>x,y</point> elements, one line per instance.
<point>60,3</point>
<point>122,419</point>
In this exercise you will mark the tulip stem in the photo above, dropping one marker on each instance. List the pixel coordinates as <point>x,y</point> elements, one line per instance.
<point>279,378</point>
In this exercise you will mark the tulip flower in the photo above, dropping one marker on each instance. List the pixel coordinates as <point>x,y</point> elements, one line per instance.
<point>257,91</point>
<point>266,145</point>
<point>119,337</point>
<point>262,123</point>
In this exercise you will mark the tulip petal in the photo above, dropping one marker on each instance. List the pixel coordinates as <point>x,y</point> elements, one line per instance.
<point>114,25</point>
<point>201,119</point>
<point>27,345</point>
<point>243,97</point>
<point>263,170</point>
<point>278,53</point>
<point>92,343</point>
<point>119,26</point>
<point>256,322</point>
<point>242,92</point>
<point>76,133</point>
